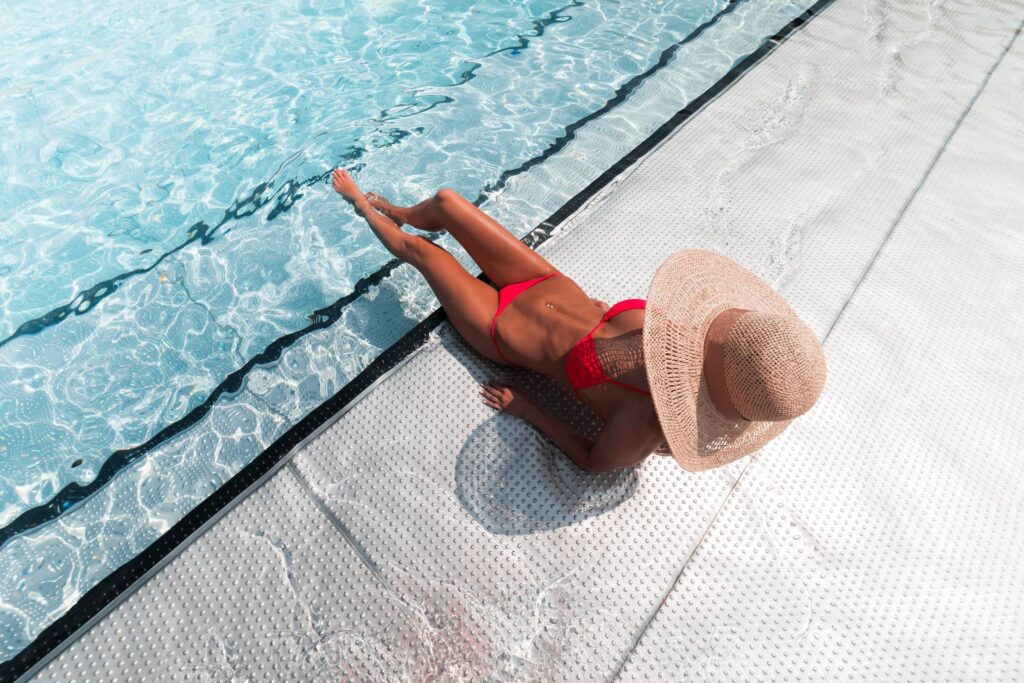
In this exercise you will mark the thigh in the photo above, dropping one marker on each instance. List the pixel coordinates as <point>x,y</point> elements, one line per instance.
<point>469,303</point>
<point>500,254</point>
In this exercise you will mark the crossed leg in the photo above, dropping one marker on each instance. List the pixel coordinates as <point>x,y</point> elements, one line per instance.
<point>502,257</point>
<point>468,302</point>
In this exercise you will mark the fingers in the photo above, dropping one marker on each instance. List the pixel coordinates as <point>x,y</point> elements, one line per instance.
<point>487,391</point>
<point>492,396</point>
<point>495,390</point>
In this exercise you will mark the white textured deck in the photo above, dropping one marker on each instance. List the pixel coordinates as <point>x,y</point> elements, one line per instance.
<point>872,168</point>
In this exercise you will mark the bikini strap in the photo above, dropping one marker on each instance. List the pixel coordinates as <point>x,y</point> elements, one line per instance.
<point>622,307</point>
<point>638,390</point>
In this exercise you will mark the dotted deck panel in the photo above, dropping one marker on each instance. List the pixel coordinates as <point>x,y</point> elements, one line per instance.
<point>422,536</point>
<point>260,610</point>
<point>882,539</point>
<point>560,565</point>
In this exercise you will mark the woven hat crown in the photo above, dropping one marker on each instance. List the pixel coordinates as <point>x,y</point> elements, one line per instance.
<point>774,366</point>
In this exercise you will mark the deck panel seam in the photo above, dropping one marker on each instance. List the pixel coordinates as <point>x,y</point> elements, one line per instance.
<point>898,219</point>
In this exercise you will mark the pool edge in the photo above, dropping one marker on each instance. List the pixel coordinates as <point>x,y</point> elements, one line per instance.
<point>100,600</point>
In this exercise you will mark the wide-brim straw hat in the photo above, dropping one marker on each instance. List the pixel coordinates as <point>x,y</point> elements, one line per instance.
<point>775,367</point>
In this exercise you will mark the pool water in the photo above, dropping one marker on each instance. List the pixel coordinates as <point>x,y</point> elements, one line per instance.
<point>178,283</point>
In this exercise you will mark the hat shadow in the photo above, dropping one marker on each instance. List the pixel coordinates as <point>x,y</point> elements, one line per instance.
<point>514,481</point>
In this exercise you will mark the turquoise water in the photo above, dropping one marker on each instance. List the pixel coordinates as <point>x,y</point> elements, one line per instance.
<point>178,284</point>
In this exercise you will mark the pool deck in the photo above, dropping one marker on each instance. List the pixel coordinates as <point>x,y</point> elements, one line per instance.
<point>870,168</point>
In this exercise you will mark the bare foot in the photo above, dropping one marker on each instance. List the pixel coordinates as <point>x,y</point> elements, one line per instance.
<point>395,213</point>
<point>344,185</point>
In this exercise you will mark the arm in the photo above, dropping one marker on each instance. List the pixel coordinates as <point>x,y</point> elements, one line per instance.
<point>617,446</point>
<point>572,443</point>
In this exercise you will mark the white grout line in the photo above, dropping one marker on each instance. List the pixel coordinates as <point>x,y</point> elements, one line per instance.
<point>924,178</point>
<point>679,575</point>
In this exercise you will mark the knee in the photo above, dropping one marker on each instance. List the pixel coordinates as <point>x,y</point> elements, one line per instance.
<point>446,197</point>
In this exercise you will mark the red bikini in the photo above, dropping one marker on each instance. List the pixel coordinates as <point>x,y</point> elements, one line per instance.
<point>582,364</point>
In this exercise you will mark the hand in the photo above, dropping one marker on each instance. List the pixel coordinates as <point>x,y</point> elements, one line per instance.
<point>505,398</point>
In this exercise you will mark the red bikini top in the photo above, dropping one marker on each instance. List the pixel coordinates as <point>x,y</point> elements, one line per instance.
<point>582,364</point>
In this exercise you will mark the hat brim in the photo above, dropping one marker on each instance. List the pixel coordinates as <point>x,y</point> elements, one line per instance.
<point>689,290</point>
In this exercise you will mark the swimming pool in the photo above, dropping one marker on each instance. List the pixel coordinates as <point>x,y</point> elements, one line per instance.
<point>178,286</point>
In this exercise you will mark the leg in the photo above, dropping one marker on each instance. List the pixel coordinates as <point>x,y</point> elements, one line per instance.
<point>469,303</point>
<point>502,257</point>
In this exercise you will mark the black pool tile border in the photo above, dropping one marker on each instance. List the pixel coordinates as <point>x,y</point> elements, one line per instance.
<point>74,493</point>
<point>103,597</point>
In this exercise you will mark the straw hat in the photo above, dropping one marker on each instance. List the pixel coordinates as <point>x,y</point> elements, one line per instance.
<point>774,366</point>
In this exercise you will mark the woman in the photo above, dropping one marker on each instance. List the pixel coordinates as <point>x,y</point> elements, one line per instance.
<point>716,366</point>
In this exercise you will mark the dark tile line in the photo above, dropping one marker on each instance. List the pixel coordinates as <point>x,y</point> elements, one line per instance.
<point>129,576</point>
<point>74,493</point>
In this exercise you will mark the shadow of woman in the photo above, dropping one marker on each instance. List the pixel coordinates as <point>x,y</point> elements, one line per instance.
<point>514,481</point>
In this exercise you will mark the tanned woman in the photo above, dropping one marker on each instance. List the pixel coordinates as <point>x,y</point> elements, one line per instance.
<point>710,367</point>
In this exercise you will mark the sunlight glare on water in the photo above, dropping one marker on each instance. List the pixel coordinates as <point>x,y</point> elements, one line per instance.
<point>169,247</point>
